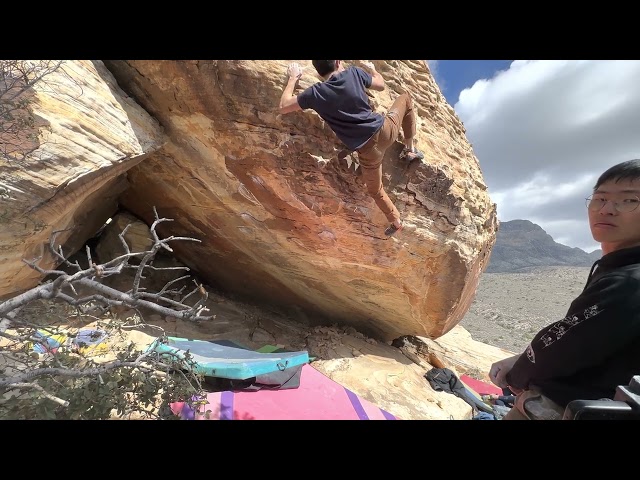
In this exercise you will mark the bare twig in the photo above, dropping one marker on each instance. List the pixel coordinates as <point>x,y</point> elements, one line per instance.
<point>44,393</point>
<point>19,126</point>
<point>100,296</point>
<point>71,373</point>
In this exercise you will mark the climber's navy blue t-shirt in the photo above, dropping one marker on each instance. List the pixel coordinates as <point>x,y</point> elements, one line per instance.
<point>342,102</point>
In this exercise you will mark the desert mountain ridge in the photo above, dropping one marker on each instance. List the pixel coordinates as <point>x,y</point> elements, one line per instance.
<point>522,244</point>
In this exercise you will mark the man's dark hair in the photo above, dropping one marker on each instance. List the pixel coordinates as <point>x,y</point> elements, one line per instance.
<point>324,67</point>
<point>629,170</point>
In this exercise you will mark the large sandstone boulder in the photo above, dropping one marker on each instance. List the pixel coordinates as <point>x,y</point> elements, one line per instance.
<point>87,135</point>
<point>137,236</point>
<point>282,220</point>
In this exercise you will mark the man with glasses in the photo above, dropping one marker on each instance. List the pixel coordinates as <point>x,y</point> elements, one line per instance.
<point>596,347</point>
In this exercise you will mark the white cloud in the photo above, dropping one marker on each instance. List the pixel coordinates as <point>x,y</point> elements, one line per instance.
<point>544,131</point>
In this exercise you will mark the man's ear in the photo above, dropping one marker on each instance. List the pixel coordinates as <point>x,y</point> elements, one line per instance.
<point>338,62</point>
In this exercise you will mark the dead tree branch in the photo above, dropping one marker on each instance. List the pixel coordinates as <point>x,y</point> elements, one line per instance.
<point>105,295</point>
<point>98,295</point>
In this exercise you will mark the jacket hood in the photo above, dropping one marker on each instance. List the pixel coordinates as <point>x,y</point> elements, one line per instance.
<point>619,258</point>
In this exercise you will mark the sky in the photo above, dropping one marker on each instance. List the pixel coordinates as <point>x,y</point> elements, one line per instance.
<point>543,132</point>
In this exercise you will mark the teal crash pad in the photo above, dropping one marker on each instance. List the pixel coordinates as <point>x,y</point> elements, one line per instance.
<point>224,361</point>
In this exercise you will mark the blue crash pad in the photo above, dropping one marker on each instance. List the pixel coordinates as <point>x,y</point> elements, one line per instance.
<point>225,361</point>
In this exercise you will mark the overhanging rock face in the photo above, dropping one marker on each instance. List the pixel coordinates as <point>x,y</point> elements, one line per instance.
<point>280,225</point>
<point>87,134</point>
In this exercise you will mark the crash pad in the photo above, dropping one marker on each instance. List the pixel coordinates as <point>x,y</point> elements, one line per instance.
<point>227,361</point>
<point>317,398</point>
<point>482,388</point>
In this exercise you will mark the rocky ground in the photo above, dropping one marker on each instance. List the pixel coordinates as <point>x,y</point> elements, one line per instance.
<point>510,308</point>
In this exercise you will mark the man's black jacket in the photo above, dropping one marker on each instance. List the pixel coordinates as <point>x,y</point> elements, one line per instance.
<point>596,347</point>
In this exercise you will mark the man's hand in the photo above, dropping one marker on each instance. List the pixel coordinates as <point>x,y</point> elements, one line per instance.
<point>289,101</point>
<point>294,71</point>
<point>377,82</point>
<point>499,370</point>
<point>369,66</point>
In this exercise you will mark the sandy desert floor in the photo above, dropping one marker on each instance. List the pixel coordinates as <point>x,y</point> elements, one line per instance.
<point>510,308</point>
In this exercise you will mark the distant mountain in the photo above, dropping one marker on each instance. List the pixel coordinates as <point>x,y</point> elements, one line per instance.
<point>521,244</point>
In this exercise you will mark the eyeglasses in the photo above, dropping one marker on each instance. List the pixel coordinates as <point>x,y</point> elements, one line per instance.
<point>624,205</point>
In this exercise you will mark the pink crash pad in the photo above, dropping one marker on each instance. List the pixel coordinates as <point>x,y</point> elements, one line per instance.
<point>317,398</point>
<point>483,388</point>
